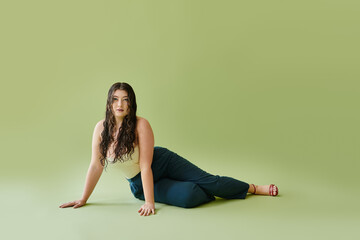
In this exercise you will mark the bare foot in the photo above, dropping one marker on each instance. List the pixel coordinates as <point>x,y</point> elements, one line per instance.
<point>264,190</point>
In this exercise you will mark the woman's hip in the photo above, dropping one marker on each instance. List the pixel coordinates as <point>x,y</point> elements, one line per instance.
<point>159,164</point>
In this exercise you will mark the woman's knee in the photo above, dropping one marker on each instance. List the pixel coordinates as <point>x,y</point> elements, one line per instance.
<point>194,196</point>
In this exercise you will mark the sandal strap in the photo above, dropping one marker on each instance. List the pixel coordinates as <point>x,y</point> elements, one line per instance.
<point>254,188</point>
<point>277,191</point>
<point>271,190</point>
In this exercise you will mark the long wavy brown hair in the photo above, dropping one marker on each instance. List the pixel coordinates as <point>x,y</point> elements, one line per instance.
<point>126,135</point>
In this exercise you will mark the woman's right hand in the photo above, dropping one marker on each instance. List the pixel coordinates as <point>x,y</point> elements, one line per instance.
<point>76,204</point>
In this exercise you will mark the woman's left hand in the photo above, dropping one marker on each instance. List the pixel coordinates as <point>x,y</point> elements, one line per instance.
<point>147,209</point>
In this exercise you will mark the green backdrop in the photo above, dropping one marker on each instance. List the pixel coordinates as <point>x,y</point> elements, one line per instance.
<point>262,91</point>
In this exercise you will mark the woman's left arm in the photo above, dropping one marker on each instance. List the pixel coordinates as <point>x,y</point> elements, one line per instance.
<point>146,146</point>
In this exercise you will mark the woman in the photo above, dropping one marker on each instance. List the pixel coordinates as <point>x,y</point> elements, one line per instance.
<point>155,174</point>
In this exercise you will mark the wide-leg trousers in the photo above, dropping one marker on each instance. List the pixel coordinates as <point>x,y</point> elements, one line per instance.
<point>179,182</point>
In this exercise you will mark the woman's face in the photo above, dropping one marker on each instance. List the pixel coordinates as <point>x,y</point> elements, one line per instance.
<point>120,103</point>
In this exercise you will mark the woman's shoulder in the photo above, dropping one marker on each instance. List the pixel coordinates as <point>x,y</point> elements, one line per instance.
<point>142,123</point>
<point>141,119</point>
<point>100,124</point>
<point>99,128</point>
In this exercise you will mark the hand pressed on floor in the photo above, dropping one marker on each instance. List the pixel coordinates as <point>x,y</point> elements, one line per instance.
<point>147,209</point>
<point>76,204</point>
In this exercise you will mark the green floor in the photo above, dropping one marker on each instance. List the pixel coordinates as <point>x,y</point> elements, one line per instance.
<point>303,210</point>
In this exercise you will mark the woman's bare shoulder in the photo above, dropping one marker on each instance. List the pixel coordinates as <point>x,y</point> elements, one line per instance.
<point>100,124</point>
<point>141,121</point>
<point>99,127</point>
<point>142,124</point>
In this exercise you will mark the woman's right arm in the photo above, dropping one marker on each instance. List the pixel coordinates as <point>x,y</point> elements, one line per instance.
<point>95,169</point>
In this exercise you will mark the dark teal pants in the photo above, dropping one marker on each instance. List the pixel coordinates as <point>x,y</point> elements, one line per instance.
<point>180,183</point>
